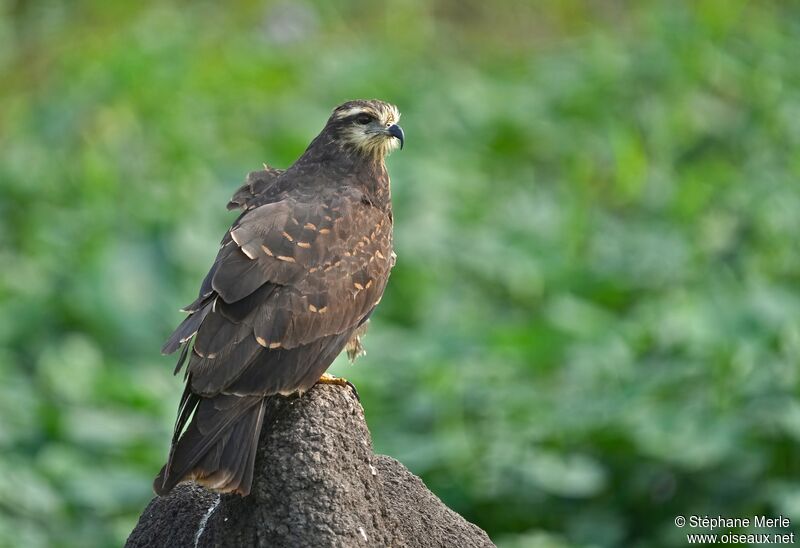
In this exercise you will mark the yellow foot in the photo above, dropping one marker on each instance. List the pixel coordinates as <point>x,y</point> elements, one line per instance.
<point>327,378</point>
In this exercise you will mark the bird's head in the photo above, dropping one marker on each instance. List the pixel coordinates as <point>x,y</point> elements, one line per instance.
<point>369,126</point>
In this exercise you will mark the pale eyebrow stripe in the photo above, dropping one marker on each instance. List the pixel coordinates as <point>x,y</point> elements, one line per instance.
<point>390,113</point>
<point>349,112</point>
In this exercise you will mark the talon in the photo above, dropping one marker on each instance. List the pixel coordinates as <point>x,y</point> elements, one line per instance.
<point>327,378</point>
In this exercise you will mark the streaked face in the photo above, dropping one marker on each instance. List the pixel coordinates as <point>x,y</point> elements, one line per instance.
<point>370,126</point>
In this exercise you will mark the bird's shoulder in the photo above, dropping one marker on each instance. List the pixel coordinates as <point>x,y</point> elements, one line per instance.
<point>259,187</point>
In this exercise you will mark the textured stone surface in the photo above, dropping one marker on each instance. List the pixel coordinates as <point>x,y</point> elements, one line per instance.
<point>317,483</point>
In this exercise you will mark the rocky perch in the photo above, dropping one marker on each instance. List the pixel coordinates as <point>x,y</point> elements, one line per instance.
<point>317,483</point>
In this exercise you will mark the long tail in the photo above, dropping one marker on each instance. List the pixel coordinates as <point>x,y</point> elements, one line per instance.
<point>218,448</point>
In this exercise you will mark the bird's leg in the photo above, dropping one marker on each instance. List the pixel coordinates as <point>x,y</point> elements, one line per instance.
<point>327,378</point>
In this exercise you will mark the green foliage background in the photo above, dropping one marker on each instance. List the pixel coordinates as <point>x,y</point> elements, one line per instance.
<point>593,325</point>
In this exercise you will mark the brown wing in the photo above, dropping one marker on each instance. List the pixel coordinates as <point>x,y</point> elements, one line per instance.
<point>292,279</point>
<point>256,185</point>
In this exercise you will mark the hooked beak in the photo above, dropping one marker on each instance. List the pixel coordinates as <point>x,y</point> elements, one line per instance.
<point>396,131</point>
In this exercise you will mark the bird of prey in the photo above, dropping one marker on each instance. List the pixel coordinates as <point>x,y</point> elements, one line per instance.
<point>296,278</point>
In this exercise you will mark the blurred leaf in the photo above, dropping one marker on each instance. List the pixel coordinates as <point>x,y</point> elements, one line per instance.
<point>593,323</point>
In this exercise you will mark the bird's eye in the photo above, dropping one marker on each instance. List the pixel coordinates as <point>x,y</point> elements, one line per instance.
<point>364,119</point>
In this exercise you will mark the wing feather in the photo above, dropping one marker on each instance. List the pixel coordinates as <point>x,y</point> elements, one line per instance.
<point>288,273</point>
<point>257,186</point>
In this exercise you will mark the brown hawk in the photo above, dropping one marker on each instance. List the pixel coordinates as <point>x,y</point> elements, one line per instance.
<point>296,278</point>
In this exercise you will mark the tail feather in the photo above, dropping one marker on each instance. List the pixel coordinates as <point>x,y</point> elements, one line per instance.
<point>230,465</point>
<point>218,447</point>
<point>186,409</point>
<point>246,479</point>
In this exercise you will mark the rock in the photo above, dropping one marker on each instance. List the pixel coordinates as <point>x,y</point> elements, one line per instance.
<point>316,483</point>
